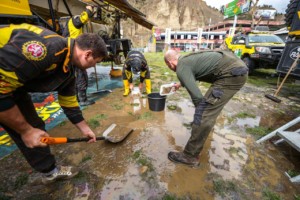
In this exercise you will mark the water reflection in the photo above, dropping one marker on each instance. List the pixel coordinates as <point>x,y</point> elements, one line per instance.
<point>249,122</point>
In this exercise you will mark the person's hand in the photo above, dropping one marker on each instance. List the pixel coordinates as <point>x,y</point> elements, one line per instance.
<point>131,86</point>
<point>90,134</point>
<point>86,131</point>
<point>88,7</point>
<point>32,138</point>
<point>141,86</point>
<point>177,86</point>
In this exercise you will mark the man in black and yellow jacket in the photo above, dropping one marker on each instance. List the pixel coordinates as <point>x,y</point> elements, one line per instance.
<point>34,59</point>
<point>73,29</point>
<point>136,63</point>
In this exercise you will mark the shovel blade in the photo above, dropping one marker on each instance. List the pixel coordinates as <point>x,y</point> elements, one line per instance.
<point>118,134</point>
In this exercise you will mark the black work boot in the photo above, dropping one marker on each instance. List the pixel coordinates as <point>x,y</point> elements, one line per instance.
<point>180,157</point>
<point>82,98</point>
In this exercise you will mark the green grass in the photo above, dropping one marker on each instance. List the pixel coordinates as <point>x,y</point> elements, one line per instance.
<point>223,187</point>
<point>93,123</point>
<point>134,104</point>
<point>244,115</point>
<point>21,180</point>
<point>258,131</point>
<point>86,158</point>
<point>145,116</point>
<point>187,125</point>
<point>117,106</point>
<point>293,173</point>
<point>235,150</point>
<point>130,113</point>
<point>269,195</point>
<point>101,116</point>
<point>263,77</point>
<point>241,115</point>
<point>81,177</point>
<point>142,160</point>
<point>62,123</point>
<point>170,197</point>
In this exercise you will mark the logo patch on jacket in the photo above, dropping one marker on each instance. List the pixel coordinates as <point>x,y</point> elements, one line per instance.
<point>34,50</point>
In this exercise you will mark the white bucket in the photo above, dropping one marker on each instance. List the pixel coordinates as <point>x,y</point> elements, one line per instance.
<point>167,89</point>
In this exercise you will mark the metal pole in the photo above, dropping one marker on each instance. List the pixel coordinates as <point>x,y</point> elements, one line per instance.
<point>208,32</point>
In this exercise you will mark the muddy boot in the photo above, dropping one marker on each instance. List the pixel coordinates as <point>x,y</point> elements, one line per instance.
<point>60,173</point>
<point>148,86</point>
<point>82,98</point>
<point>126,88</point>
<point>180,157</point>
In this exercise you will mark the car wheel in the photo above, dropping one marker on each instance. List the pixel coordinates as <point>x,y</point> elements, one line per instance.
<point>291,12</point>
<point>250,64</point>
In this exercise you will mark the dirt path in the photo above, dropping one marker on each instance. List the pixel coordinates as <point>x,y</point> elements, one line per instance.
<point>232,166</point>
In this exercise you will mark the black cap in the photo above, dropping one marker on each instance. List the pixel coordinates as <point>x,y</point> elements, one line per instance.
<point>135,65</point>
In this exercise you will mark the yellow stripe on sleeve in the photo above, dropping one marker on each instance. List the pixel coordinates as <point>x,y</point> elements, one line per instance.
<point>143,74</point>
<point>7,31</point>
<point>60,52</point>
<point>52,36</point>
<point>8,82</point>
<point>68,101</point>
<point>84,17</point>
<point>53,66</point>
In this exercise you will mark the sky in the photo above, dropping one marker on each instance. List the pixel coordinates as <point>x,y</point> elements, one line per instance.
<point>279,5</point>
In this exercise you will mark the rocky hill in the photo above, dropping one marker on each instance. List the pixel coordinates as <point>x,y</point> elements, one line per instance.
<point>179,15</point>
<point>176,14</point>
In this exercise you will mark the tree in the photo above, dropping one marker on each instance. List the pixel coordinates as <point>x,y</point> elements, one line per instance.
<point>252,12</point>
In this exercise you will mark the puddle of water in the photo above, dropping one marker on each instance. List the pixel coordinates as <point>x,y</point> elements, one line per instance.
<point>123,187</point>
<point>101,80</point>
<point>82,192</point>
<point>175,122</point>
<point>249,122</point>
<point>227,155</point>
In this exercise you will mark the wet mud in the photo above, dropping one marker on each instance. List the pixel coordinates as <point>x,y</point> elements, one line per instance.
<point>138,168</point>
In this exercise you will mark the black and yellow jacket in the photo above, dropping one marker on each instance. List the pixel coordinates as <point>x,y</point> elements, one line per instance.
<point>75,24</point>
<point>37,60</point>
<point>128,66</point>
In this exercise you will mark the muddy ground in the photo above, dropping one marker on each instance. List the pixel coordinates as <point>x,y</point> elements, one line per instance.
<point>233,165</point>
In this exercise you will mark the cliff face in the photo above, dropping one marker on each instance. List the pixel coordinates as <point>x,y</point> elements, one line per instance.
<point>188,15</point>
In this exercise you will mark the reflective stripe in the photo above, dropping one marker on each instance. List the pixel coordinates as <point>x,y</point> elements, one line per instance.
<point>8,82</point>
<point>53,66</point>
<point>7,31</point>
<point>128,74</point>
<point>68,101</point>
<point>66,62</point>
<point>73,31</point>
<point>60,52</point>
<point>143,74</point>
<point>51,36</point>
<point>84,17</point>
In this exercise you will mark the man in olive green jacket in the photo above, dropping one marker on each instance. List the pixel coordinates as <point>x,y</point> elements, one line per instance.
<point>227,75</point>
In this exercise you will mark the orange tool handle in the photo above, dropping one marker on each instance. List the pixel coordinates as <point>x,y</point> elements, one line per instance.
<point>54,140</point>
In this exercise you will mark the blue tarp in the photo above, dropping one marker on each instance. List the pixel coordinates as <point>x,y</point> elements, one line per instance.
<point>49,110</point>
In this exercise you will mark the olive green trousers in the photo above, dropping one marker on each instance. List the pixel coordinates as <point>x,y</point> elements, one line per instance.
<point>207,111</point>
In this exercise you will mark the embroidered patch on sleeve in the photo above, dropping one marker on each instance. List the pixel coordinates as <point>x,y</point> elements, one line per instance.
<point>34,50</point>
